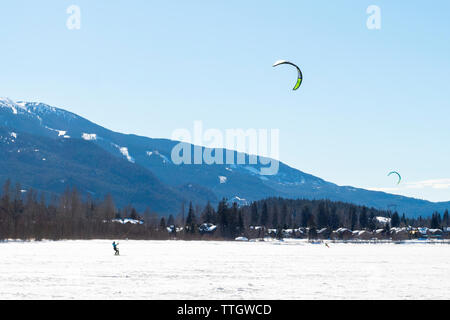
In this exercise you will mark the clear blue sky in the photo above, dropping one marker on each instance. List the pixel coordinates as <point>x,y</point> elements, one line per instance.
<point>372,101</point>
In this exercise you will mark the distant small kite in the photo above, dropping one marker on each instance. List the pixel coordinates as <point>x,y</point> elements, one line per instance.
<point>300,75</point>
<point>398,174</point>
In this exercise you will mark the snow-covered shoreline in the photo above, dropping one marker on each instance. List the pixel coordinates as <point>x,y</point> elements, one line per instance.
<point>79,269</point>
<point>267,240</point>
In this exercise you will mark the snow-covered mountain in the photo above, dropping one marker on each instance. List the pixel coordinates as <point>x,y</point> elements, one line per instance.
<point>38,122</point>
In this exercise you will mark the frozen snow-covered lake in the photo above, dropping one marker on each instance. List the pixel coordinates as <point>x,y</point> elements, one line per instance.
<point>223,270</point>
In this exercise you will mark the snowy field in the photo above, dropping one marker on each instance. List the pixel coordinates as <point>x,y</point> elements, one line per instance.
<point>223,270</point>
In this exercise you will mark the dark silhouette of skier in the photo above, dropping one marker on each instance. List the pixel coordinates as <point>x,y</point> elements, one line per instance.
<point>116,248</point>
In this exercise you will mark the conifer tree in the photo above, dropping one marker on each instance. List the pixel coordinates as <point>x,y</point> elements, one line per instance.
<point>162,224</point>
<point>275,217</point>
<point>208,214</point>
<point>241,226</point>
<point>353,218</point>
<point>322,216</point>
<point>265,215</point>
<point>445,219</point>
<point>371,224</point>
<point>254,214</point>
<point>435,223</point>
<point>395,220</point>
<point>363,218</point>
<point>222,211</point>
<point>403,220</point>
<point>305,216</point>
<point>284,216</point>
<point>311,221</point>
<point>171,221</point>
<point>191,220</point>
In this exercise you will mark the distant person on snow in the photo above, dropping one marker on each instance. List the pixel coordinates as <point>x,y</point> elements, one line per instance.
<point>116,249</point>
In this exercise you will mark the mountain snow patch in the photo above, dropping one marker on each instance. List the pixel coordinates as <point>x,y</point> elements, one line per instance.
<point>8,103</point>
<point>60,132</point>
<point>223,179</point>
<point>252,170</point>
<point>125,152</point>
<point>89,136</point>
<point>157,153</point>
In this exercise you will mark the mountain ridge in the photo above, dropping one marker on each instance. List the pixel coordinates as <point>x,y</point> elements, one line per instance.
<point>208,182</point>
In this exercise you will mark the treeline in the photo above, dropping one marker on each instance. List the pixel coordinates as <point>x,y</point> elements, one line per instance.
<point>278,214</point>
<point>288,213</point>
<point>28,215</point>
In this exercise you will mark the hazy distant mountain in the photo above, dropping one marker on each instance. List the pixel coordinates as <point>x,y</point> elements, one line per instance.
<point>138,170</point>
